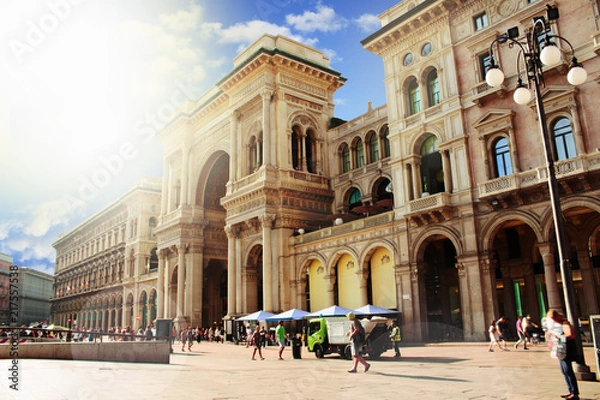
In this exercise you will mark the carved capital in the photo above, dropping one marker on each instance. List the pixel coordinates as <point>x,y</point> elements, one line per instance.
<point>267,220</point>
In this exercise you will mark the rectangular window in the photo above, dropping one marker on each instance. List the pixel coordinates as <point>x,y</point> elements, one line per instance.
<point>481,21</point>
<point>485,62</point>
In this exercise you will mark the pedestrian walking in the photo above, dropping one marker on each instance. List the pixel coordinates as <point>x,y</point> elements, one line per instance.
<point>259,342</point>
<point>502,331</point>
<point>563,348</point>
<point>395,338</point>
<point>280,333</point>
<point>183,339</point>
<point>493,332</point>
<point>356,333</point>
<point>521,333</point>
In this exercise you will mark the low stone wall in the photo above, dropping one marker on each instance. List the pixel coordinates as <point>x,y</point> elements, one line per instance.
<point>144,352</point>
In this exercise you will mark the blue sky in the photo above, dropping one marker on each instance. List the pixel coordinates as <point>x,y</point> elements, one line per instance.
<point>84,83</point>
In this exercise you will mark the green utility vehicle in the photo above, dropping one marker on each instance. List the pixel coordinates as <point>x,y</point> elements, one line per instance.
<point>327,335</point>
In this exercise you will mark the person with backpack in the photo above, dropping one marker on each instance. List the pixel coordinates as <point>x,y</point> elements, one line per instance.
<point>356,333</point>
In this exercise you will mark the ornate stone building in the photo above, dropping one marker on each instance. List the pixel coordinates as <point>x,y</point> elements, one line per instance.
<point>435,204</point>
<point>106,267</point>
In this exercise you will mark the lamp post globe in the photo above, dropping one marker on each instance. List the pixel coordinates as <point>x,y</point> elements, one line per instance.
<point>550,55</point>
<point>522,95</point>
<point>494,77</point>
<point>576,76</point>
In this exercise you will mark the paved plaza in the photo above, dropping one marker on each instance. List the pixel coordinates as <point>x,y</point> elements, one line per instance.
<point>225,371</point>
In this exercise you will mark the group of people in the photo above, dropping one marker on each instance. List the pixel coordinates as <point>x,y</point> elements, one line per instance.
<point>559,334</point>
<point>258,339</point>
<point>499,331</point>
<point>188,335</point>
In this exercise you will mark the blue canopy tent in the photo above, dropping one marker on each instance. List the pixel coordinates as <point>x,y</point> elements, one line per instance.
<point>333,311</point>
<point>374,310</point>
<point>257,316</point>
<point>290,315</point>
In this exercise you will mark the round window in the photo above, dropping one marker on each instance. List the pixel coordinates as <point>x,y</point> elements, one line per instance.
<point>408,59</point>
<point>426,49</point>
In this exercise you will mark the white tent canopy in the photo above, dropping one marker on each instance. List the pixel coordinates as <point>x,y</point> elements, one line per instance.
<point>257,316</point>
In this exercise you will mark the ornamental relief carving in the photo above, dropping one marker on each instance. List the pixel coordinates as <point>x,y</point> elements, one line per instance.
<point>303,86</point>
<point>304,103</point>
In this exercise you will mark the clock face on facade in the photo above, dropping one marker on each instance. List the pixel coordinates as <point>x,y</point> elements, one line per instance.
<point>408,59</point>
<point>426,49</point>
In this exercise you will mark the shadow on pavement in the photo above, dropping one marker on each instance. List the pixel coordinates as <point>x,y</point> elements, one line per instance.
<point>432,360</point>
<point>421,377</point>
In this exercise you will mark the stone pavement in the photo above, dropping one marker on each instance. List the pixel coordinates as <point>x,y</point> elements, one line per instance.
<point>225,371</point>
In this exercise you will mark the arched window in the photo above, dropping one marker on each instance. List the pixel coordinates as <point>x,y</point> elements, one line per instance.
<point>354,200</point>
<point>502,162</point>
<point>414,97</point>
<point>360,154</point>
<point>153,260</point>
<point>564,142</point>
<point>345,158</point>
<point>374,147</point>
<point>386,142</point>
<point>311,145</point>
<point>432,174</point>
<point>254,154</point>
<point>433,88</point>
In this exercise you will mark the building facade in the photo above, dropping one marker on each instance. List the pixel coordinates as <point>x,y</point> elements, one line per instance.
<point>35,292</point>
<point>6,262</point>
<point>435,204</point>
<point>106,267</point>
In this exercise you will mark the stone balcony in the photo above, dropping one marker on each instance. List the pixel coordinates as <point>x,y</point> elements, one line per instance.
<point>434,208</point>
<point>563,170</point>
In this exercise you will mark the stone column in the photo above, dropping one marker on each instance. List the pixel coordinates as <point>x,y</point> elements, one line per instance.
<point>410,193</point>
<point>419,294</point>
<point>447,172</point>
<point>267,223</point>
<point>180,319</point>
<point>533,307</point>
<point>514,151</point>
<point>160,286</point>
<point>554,297</point>
<point>233,137</point>
<point>231,272</point>
<point>362,287</point>
<point>589,282</point>
<point>195,280</point>
<point>266,117</point>
<point>185,151</point>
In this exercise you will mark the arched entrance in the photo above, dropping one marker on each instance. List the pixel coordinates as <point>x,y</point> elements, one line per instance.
<point>214,293</point>
<point>253,277</point>
<point>442,291</point>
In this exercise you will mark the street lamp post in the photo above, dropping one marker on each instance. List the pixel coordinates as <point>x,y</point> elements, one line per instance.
<point>537,48</point>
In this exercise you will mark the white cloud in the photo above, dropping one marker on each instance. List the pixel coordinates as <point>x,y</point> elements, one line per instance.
<point>368,23</point>
<point>248,32</point>
<point>7,226</point>
<point>332,55</point>
<point>29,249</point>
<point>182,20</point>
<point>41,218</point>
<point>324,20</point>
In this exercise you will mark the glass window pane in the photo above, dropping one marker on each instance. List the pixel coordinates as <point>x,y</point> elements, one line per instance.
<point>564,142</point>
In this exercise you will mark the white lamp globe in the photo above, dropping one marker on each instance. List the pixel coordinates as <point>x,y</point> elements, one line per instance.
<point>550,55</point>
<point>577,75</point>
<point>522,95</point>
<point>338,221</point>
<point>494,77</point>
